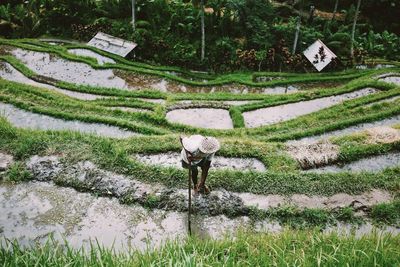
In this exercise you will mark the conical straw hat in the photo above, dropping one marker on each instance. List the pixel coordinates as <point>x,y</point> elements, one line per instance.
<point>209,145</point>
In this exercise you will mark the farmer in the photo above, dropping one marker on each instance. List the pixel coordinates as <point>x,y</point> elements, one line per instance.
<point>198,151</point>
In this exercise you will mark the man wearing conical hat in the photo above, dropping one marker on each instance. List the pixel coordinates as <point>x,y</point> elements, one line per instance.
<point>198,151</point>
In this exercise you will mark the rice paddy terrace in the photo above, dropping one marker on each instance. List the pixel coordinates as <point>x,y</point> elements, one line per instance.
<point>92,141</point>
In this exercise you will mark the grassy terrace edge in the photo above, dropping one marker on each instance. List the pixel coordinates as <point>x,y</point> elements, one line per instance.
<point>305,248</point>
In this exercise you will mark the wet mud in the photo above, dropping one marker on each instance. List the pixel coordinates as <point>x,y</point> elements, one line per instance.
<point>271,115</point>
<point>28,120</point>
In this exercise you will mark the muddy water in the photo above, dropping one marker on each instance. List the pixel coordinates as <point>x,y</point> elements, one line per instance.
<point>350,130</point>
<point>391,79</point>
<point>372,164</point>
<point>8,72</point>
<point>271,115</point>
<point>24,119</point>
<point>69,71</point>
<point>29,212</point>
<point>173,159</point>
<point>101,60</point>
<point>208,118</point>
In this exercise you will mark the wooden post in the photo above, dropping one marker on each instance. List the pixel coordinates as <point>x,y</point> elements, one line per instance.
<point>190,198</point>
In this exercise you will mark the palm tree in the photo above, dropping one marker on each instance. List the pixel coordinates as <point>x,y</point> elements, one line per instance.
<point>200,4</point>
<point>353,30</point>
<point>298,25</point>
<point>133,14</point>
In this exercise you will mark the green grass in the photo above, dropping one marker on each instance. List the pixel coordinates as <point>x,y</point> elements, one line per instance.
<point>282,176</point>
<point>289,248</point>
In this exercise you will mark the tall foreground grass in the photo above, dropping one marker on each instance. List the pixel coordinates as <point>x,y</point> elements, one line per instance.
<point>289,248</point>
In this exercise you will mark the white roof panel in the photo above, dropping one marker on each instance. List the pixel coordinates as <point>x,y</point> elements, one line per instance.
<point>112,44</point>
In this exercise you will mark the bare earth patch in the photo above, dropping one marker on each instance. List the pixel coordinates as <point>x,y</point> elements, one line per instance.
<point>312,155</point>
<point>383,135</point>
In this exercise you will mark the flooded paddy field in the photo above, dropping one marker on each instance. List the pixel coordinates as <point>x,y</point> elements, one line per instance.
<point>371,164</point>
<point>80,73</point>
<point>352,129</point>
<point>209,118</point>
<point>73,72</point>
<point>8,72</point>
<point>271,115</point>
<point>28,120</point>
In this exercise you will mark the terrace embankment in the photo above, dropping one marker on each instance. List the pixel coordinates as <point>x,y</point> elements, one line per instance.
<point>30,211</point>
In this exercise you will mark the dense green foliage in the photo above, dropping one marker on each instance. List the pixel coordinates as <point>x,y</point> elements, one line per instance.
<point>256,34</point>
<point>290,248</point>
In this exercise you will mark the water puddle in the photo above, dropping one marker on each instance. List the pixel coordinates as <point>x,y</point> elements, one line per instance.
<point>391,79</point>
<point>101,60</point>
<point>350,130</point>
<point>209,118</point>
<point>173,159</point>
<point>9,73</point>
<point>372,164</point>
<point>24,119</point>
<point>68,71</point>
<point>271,115</point>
